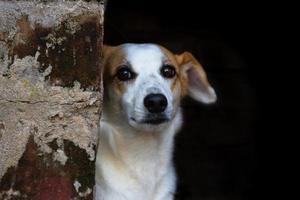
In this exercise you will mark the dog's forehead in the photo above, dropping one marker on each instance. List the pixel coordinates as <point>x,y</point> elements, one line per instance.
<point>144,56</point>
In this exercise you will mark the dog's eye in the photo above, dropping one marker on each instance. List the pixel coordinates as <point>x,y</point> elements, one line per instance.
<point>168,71</point>
<point>125,74</point>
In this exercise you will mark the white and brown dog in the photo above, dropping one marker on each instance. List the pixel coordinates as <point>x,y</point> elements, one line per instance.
<point>143,86</point>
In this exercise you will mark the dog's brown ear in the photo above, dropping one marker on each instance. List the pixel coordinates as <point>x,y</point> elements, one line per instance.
<point>198,85</point>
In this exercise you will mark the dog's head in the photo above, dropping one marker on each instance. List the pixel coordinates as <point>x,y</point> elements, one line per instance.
<point>144,83</point>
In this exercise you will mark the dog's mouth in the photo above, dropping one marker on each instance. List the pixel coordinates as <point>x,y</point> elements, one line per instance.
<point>153,120</point>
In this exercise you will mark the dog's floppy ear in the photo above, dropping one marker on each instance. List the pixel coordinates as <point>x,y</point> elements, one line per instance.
<point>198,85</point>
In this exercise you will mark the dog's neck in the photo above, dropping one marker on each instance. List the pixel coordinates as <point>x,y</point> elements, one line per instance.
<point>136,150</point>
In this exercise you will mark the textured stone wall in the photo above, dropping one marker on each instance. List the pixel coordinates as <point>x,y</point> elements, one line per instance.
<point>50,98</point>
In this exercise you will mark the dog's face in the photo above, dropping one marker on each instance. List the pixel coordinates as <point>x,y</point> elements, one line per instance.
<point>144,83</point>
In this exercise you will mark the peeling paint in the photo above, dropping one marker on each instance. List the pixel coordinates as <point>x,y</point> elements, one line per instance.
<point>50,64</point>
<point>87,192</point>
<point>60,156</point>
<point>57,30</point>
<point>57,112</point>
<point>10,194</point>
<point>77,186</point>
<point>52,16</point>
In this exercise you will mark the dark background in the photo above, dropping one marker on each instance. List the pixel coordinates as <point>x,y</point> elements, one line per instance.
<point>217,153</point>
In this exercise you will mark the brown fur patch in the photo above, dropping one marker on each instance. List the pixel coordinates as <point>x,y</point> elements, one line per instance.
<point>113,58</point>
<point>187,60</point>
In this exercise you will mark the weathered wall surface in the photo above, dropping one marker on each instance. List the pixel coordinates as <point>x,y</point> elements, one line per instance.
<point>50,98</point>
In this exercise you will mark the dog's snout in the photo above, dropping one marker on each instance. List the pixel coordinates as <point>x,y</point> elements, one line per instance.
<point>155,103</point>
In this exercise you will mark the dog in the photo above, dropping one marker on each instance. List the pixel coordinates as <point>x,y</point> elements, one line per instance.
<point>143,87</point>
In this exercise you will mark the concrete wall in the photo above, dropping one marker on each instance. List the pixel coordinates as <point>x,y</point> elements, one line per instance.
<point>50,98</point>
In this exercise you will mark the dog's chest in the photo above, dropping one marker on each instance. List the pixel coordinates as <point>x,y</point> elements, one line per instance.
<point>134,169</point>
<point>134,183</point>
<point>141,162</point>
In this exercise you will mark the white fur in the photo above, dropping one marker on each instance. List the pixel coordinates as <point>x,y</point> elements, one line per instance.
<point>136,166</point>
<point>146,60</point>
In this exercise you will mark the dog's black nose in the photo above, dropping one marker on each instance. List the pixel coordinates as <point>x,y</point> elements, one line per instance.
<point>155,103</point>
